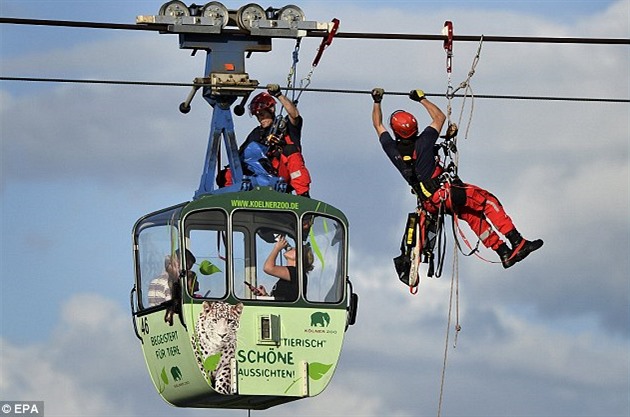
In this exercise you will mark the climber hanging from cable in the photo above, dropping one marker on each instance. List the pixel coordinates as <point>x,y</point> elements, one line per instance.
<point>413,153</point>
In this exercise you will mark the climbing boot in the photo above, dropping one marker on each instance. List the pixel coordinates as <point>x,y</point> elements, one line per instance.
<point>505,254</point>
<point>521,247</point>
<point>524,248</point>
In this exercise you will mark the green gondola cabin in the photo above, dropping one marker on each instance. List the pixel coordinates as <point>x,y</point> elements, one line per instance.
<point>209,336</point>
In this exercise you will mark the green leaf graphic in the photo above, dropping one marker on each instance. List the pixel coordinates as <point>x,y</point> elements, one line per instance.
<point>211,362</point>
<point>164,376</point>
<point>317,370</point>
<point>160,386</point>
<point>208,268</point>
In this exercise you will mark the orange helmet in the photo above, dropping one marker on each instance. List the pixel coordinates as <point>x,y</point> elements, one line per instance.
<point>263,101</point>
<point>403,124</point>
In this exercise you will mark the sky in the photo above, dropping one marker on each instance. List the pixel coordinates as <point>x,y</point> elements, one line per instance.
<point>81,163</point>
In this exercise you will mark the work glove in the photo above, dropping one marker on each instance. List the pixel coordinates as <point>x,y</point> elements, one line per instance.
<point>417,95</point>
<point>274,90</point>
<point>377,94</point>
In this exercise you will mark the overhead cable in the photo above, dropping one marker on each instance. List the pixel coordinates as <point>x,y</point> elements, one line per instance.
<point>314,90</point>
<point>346,35</point>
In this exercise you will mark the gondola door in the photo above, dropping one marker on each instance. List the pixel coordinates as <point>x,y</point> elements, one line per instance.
<point>157,309</point>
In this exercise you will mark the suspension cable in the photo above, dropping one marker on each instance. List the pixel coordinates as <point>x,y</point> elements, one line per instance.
<point>315,90</point>
<point>346,35</point>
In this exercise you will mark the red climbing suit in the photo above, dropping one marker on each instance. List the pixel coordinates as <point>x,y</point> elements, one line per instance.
<point>286,160</point>
<point>291,167</point>
<point>475,206</point>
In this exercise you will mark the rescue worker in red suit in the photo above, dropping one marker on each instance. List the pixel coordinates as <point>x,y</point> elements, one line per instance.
<point>413,154</point>
<point>283,147</point>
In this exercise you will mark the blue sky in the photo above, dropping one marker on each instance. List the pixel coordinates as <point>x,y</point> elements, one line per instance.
<point>80,163</point>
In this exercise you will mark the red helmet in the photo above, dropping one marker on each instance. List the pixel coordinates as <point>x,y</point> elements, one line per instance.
<point>403,124</point>
<point>263,101</point>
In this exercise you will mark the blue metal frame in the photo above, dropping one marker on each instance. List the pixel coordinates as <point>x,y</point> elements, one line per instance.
<point>221,125</point>
<point>227,51</point>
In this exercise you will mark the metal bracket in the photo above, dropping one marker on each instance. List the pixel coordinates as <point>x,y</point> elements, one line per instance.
<point>286,29</point>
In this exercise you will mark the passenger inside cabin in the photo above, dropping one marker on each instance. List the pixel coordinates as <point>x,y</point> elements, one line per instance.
<point>161,288</point>
<point>286,288</point>
<point>159,291</point>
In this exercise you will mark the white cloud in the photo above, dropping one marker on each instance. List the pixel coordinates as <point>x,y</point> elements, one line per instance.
<point>83,368</point>
<point>92,365</point>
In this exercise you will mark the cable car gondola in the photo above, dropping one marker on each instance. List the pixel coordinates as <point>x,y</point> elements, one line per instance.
<point>209,336</point>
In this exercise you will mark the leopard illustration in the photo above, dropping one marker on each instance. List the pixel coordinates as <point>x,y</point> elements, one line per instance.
<point>215,334</point>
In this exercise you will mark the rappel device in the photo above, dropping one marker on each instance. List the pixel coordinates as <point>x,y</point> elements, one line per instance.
<point>209,338</point>
<point>277,131</point>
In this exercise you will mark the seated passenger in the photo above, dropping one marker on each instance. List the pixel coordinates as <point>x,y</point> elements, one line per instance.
<point>159,289</point>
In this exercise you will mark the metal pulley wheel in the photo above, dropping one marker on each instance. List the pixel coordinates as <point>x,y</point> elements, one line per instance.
<point>291,13</point>
<point>217,12</point>
<point>174,8</point>
<point>248,14</point>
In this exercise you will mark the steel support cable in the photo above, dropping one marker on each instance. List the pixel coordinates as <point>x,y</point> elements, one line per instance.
<point>92,81</point>
<point>314,90</point>
<point>345,35</point>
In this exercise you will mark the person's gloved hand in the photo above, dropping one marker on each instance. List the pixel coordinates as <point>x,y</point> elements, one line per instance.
<point>417,95</point>
<point>274,90</point>
<point>377,94</point>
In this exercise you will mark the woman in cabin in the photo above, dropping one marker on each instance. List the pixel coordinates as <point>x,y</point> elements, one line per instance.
<point>287,288</point>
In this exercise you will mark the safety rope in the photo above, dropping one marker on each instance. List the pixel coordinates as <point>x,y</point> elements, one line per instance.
<point>454,290</point>
<point>468,90</point>
<point>450,144</point>
<point>458,327</point>
<point>451,151</point>
<point>291,77</point>
<point>440,237</point>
